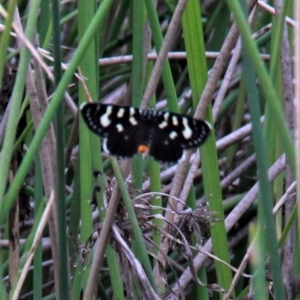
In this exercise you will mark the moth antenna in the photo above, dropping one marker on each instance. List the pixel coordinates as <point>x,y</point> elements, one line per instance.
<point>86,91</point>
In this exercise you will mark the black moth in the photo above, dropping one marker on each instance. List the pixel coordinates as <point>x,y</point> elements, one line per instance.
<point>127,130</point>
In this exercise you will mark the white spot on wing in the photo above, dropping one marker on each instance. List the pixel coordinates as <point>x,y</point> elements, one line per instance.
<point>133,121</point>
<point>131,111</point>
<point>175,121</point>
<point>187,131</point>
<point>120,127</point>
<point>173,135</point>
<point>163,125</point>
<point>166,116</point>
<point>104,145</point>
<point>121,112</point>
<point>104,119</point>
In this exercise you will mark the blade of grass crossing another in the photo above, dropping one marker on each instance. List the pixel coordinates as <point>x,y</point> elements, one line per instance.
<point>134,222</point>
<point>167,77</point>
<point>138,27</point>
<point>49,114</point>
<point>194,42</point>
<point>265,204</point>
<point>16,100</point>
<point>89,68</point>
<point>265,81</point>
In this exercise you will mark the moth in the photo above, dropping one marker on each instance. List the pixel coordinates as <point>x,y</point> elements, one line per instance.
<point>126,130</point>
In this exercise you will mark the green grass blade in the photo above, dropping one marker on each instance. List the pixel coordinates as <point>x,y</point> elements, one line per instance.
<point>60,164</point>
<point>138,74</point>
<point>5,37</point>
<point>17,96</point>
<point>265,81</point>
<point>194,42</point>
<point>266,218</point>
<point>134,223</point>
<point>166,72</point>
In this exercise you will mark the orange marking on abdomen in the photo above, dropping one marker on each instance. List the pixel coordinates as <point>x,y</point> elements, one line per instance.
<point>142,148</point>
